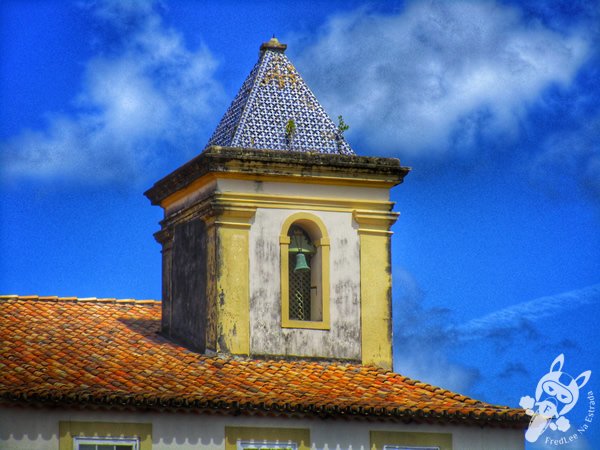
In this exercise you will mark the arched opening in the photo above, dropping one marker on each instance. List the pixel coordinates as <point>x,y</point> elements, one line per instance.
<point>304,272</point>
<point>304,280</point>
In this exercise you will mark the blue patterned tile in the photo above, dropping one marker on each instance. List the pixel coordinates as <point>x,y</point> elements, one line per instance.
<point>273,94</point>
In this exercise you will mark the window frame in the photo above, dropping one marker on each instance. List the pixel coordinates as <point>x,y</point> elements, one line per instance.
<point>408,447</point>
<point>308,281</point>
<point>264,444</point>
<point>260,436</point>
<point>400,440</point>
<point>95,440</point>
<point>315,227</point>
<point>69,431</point>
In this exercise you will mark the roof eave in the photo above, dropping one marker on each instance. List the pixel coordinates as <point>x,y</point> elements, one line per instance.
<point>516,419</point>
<point>216,159</point>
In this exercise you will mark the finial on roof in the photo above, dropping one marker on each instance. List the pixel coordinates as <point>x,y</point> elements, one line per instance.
<point>273,44</point>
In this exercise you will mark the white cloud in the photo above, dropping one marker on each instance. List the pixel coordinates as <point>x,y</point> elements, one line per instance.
<point>510,319</point>
<point>427,339</point>
<point>429,80</point>
<point>144,92</point>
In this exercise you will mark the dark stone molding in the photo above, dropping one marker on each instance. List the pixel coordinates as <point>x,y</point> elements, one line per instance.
<point>277,163</point>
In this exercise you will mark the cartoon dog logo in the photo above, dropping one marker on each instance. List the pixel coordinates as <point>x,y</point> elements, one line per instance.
<point>556,394</point>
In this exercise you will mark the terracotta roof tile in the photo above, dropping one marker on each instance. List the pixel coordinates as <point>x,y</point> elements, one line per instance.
<point>108,352</point>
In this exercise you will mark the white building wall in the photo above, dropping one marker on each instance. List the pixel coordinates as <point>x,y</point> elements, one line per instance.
<point>304,189</point>
<point>280,188</point>
<point>37,429</point>
<point>267,337</point>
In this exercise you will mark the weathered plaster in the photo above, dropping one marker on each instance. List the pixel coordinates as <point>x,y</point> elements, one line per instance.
<point>188,285</point>
<point>190,198</point>
<point>298,167</point>
<point>376,311</point>
<point>232,290</point>
<point>240,309</point>
<point>303,189</point>
<point>267,337</point>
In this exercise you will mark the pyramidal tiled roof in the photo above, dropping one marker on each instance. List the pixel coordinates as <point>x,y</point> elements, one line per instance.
<point>275,110</point>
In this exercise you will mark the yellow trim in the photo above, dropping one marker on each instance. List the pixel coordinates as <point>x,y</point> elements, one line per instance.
<point>233,283</point>
<point>315,226</point>
<point>308,219</point>
<point>299,436</point>
<point>375,287</point>
<point>408,438</point>
<point>375,222</point>
<point>234,216</point>
<point>68,430</point>
<point>281,201</point>
<point>331,181</point>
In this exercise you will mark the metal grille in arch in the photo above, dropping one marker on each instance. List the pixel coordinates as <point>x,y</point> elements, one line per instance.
<point>300,293</point>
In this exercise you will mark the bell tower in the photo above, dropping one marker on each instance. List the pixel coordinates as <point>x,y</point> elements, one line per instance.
<point>276,238</point>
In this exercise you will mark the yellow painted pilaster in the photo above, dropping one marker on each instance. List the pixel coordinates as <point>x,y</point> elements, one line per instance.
<point>233,284</point>
<point>375,286</point>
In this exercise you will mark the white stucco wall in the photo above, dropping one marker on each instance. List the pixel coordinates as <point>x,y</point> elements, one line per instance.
<point>35,429</point>
<point>267,337</point>
<point>280,188</point>
<point>303,189</point>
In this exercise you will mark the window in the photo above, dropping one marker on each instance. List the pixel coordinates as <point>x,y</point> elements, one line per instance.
<point>410,440</point>
<point>303,279</point>
<point>104,436</point>
<point>304,251</point>
<point>257,438</point>
<point>85,443</point>
<point>396,447</point>
<point>266,445</point>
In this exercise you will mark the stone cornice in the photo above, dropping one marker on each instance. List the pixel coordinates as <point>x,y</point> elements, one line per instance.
<point>298,166</point>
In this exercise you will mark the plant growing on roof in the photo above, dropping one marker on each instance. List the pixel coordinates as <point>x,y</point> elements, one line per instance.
<point>342,126</point>
<point>290,131</point>
<point>339,136</point>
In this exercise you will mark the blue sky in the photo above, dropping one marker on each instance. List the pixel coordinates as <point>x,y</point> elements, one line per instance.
<point>495,106</point>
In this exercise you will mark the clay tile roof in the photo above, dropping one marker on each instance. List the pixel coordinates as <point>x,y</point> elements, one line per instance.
<point>273,95</point>
<point>107,352</point>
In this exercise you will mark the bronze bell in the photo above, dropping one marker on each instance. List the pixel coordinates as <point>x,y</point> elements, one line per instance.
<point>301,264</point>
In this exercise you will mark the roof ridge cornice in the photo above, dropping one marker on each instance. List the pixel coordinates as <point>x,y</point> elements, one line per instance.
<point>55,298</point>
